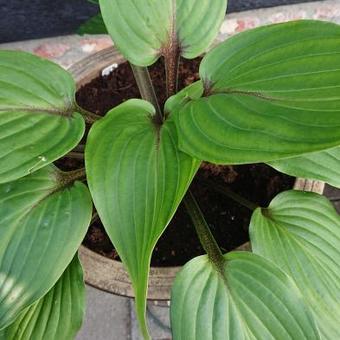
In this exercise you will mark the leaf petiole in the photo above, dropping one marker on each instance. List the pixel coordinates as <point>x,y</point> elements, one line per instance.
<point>233,195</point>
<point>68,177</point>
<point>203,231</point>
<point>89,117</point>
<point>75,155</point>
<point>171,60</point>
<point>146,88</point>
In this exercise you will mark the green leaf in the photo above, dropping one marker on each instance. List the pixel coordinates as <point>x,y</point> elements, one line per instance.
<point>95,25</point>
<point>324,166</point>
<point>57,315</point>
<point>143,30</point>
<point>38,122</point>
<point>44,219</point>
<point>176,102</point>
<point>137,177</point>
<point>300,232</point>
<point>270,93</point>
<point>251,299</point>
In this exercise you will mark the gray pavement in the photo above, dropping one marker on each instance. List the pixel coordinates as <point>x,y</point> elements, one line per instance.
<point>107,317</point>
<point>111,317</point>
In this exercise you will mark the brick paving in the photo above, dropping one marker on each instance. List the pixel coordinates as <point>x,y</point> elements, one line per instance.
<point>112,317</point>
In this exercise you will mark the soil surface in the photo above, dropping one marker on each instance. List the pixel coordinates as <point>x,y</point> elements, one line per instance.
<point>227,219</point>
<point>104,93</point>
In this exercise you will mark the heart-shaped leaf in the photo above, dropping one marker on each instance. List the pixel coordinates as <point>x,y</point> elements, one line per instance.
<point>250,299</point>
<point>57,315</point>
<point>300,232</point>
<point>270,93</point>
<point>44,218</point>
<point>143,30</point>
<point>38,122</point>
<point>95,25</point>
<point>137,177</point>
<point>323,165</point>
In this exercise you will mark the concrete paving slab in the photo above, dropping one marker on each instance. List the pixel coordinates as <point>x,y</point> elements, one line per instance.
<point>107,317</point>
<point>159,322</point>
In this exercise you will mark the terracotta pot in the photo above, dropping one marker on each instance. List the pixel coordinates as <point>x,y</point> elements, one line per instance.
<point>109,275</point>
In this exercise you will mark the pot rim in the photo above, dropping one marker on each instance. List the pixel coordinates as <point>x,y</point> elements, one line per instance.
<point>109,275</point>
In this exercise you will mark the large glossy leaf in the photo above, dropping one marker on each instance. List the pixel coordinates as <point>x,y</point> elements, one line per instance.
<point>43,222</point>
<point>143,30</point>
<point>323,165</point>
<point>57,315</point>
<point>137,177</point>
<point>270,93</point>
<point>250,298</point>
<point>38,122</point>
<point>94,25</point>
<point>300,232</point>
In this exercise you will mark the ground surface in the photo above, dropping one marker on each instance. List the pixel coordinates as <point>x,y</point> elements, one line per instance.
<point>32,19</point>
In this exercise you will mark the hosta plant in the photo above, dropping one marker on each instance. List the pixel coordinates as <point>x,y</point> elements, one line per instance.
<point>271,94</point>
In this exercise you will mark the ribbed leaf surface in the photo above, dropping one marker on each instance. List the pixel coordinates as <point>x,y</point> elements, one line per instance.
<point>251,299</point>
<point>324,166</point>
<point>143,30</point>
<point>300,232</point>
<point>37,120</point>
<point>271,93</point>
<point>57,315</point>
<point>137,177</point>
<point>42,225</point>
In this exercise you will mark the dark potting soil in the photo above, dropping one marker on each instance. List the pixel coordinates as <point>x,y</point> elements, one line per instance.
<point>106,92</point>
<point>228,220</point>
